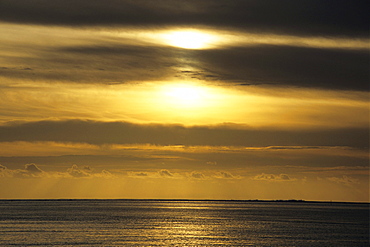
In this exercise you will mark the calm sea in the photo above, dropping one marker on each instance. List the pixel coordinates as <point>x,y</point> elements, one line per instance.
<point>182,223</point>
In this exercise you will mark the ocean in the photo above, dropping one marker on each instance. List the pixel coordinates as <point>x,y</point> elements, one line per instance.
<point>182,223</point>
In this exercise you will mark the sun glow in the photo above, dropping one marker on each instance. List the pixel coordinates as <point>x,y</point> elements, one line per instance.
<point>184,95</point>
<point>189,39</point>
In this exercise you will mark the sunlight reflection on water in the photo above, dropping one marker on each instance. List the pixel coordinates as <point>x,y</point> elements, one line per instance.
<point>182,223</point>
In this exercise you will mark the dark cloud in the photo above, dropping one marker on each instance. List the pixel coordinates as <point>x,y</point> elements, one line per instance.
<point>251,65</point>
<point>97,64</point>
<point>126,133</point>
<point>307,17</point>
<point>285,65</point>
<point>294,147</point>
<point>144,161</point>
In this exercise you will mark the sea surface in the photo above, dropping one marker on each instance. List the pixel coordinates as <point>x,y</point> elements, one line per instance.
<point>182,223</point>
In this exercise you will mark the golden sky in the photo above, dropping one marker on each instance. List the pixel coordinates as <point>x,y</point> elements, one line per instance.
<point>184,99</point>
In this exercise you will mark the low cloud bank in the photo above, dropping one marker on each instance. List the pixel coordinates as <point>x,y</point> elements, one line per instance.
<point>94,132</point>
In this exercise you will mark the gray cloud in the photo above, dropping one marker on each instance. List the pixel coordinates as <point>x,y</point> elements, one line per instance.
<point>285,65</point>
<point>125,133</point>
<point>96,64</point>
<point>252,65</point>
<point>307,17</point>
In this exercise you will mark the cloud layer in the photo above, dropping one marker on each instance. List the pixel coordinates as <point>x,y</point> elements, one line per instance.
<point>305,17</point>
<point>113,58</point>
<point>124,133</point>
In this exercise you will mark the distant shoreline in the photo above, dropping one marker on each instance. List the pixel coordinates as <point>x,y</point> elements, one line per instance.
<point>193,200</point>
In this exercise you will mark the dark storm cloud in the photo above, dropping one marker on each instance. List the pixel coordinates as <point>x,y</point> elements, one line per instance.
<point>126,133</point>
<point>307,17</point>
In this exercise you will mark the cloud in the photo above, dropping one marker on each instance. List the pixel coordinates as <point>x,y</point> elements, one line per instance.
<point>197,175</point>
<point>307,17</point>
<point>138,174</point>
<point>213,163</point>
<point>33,171</point>
<point>32,168</point>
<point>273,177</point>
<point>284,177</point>
<point>123,56</point>
<point>94,132</point>
<point>141,174</point>
<point>279,65</point>
<point>75,171</point>
<point>346,180</point>
<point>84,172</point>
<point>29,171</point>
<point>213,175</point>
<point>287,65</point>
<point>107,63</point>
<point>105,174</point>
<point>154,152</point>
<point>225,175</point>
<point>4,171</point>
<point>165,173</point>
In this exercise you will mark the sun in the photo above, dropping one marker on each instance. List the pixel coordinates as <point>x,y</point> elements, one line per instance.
<point>185,95</point>
<point>189,39</point>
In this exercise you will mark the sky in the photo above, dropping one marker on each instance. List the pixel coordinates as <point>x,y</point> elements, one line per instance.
<point>170,99</point>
